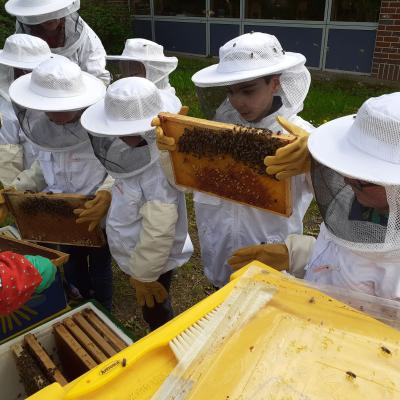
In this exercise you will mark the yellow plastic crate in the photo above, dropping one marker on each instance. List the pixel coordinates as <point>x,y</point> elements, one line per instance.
<point>316,347</point>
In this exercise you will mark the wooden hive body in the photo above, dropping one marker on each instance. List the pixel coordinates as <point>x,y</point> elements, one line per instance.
<point>81,342</point>
<point>22,247</point>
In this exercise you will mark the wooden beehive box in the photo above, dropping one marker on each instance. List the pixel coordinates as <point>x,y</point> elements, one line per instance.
<point>229,165</point>
<point>25,248</point>
<point>49,218</point>
<point>84,341</point>
<point>58,351</point>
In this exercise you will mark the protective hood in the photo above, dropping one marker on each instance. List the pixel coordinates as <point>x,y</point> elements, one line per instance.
<point>47,135</point>
<point>356,176</point>
<point>123,138</point>
<point>226,113</point>
<point>143,58</point>
<point>249,57</point>
<point>69,38</point>
<point>122,160</point>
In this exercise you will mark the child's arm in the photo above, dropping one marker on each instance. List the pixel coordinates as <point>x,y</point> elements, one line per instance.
<point>292,255</point>
<point>11,162</point>
<point>93,56</point>
<point>152,251</point>
<point>20,277</point>
<point>46,269</point>
<point>30,179</point>
<point>159,213</point>
<point>155,241</point>
<point>166,144</point>
<point>11,151</point>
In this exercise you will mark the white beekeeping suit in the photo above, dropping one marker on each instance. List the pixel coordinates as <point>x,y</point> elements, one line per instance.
<point>73,38</point>
<point>11,152</point>
<point>21,53</point>
<point>146,224</point>
<point>356,179</point>
<point>63,150</point>
<point>225,226</point>
<point>146,59</point>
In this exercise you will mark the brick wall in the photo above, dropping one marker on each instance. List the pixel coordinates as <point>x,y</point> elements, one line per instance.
<point>386,61</point>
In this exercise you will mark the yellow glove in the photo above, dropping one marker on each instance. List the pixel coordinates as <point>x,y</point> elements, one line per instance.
<point>165,142</point>
<point>184,110</point>
<point>3,208</point>
<point>94,210</point>
<point>147,292</point>
<point>275,255</point>
<point>292,159</point>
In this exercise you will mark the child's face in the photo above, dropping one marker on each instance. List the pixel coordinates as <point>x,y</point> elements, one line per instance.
<point>253,99</point>
<point>132,68</point>
<point>51,25</point>
<point>64,117</point>
<point>20,72</point>
<point>131,141</point>
<point>369,194</point>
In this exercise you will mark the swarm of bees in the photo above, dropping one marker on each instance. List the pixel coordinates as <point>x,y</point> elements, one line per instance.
<point>247,145</point>
<point>35,205</point>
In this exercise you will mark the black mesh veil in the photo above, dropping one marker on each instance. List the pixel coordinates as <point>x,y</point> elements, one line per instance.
<point>346,214</point>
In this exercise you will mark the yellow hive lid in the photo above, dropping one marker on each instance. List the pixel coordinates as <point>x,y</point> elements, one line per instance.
<point>301,345</point>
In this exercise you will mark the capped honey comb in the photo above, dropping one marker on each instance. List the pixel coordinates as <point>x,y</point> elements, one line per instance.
<point>82,341</point>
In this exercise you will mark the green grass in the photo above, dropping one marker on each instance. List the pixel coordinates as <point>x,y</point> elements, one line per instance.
<point>327,100</point>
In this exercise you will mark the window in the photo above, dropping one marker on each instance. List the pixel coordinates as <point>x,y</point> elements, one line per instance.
<point>192,8</point>
<point>355,10</point>
<point>306,10</point>
<point>225,8</point>
<point>140,7</point>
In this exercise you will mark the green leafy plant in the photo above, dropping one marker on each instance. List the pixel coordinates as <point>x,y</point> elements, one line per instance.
<point>110,21</point>
<point>7,24</point>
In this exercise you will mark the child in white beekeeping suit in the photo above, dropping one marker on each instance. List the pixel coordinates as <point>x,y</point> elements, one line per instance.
<point>356,178</point>
<point>144,58</point>
<point>59,24</point>
<point>48,103</point>
<point>255,82</point>
<point>147,224</point>
<point>21,53</point>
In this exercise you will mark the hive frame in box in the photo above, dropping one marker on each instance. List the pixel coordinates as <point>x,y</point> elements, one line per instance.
<point>34,227</point>
<point>9,378</point>
<point>185,166</point>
